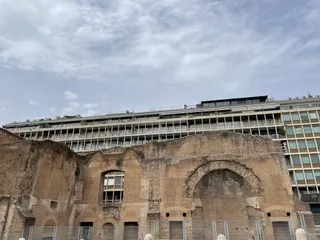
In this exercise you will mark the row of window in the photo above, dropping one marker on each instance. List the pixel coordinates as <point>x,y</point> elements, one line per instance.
<point>305,159</point>
<point>307,129</point>
<point>300,176</point>
<point>303,144</point>
<point>303,116</point>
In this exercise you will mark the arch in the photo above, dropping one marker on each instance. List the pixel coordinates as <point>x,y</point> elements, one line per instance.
<point>108,231</point>
<point>210,166</point>
<point>279,208</point>
<point>50,221</point>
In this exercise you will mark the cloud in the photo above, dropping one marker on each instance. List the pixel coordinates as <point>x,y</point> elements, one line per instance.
<point>68,95</point>
<point>74,104</point>
<point>68,111</point>
<point>90,105</point>
<point>33,103</point>
<point>90,112</point>
<point>52,109</point>
<point>229,42</point>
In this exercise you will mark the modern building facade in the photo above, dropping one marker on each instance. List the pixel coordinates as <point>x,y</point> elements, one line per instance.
<point>293,123</point>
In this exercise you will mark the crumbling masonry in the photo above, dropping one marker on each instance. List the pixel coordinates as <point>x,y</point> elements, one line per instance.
<point>190,181</point>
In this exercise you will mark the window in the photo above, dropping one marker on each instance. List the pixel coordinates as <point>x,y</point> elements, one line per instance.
<point>305,159</point>
<point>315,159</point>
<point>307,129</point>
<point>295,116</point>
<point>302,144</point>
<point>318,143</point>
<point>289,131</point>
<point>176,230</point>
<point>316,129</point>
<point>317,174</point>
<point>113,187</point>
<point>309,176</point>
<point>286,117</point>
<point>299,176</point>
<point>295,160</point>
<point>311,143</point>
<point>131,230</point>
<point>313,115</point>
<point>293,145</point>
<point>298,130</point>
<point>304,116</point>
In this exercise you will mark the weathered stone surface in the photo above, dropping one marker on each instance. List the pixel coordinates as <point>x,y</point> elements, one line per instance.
<point>197,179</point>
<point>8,137</point>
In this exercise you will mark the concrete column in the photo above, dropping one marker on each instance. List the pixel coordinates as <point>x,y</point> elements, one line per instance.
<point>148,237</point>
<point>221,237</point>
<point>301,234</point>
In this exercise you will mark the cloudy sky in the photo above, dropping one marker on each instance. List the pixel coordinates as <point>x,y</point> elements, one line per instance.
<point>62,57</point>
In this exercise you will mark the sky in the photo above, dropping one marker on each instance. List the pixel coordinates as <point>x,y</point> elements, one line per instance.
<point>88,57</point>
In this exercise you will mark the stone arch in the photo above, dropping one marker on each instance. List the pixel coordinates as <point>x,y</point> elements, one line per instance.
<point>108,231</point>
<point>48,228</point>
<point>202,170</point>
<point>50,221</point>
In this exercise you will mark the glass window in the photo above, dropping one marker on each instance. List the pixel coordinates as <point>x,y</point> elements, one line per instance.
<point>318,143</point>
<point>295,116</point>
<point>289,131</point>
<point>299,176</point>
<point>293,145</point>
<point>309,176</point>
<point>307,129</point>
<point>315,159</point>
<point>298,130</point>
<point>316,129</point>
<point>311,143</point>
<point>302,144</point>
<point>305,159</point>
<point>113,187</point>
<point>304,116</point>
<point>317,174</point>
<point>286,117</point>
<point>295,160</point>
<point>313,115</point>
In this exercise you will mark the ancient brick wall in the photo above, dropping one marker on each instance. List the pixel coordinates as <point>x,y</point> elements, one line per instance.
<point>197,179</point>
<point>161,179</point>
<point>39,179</point>
<point>8,137</point>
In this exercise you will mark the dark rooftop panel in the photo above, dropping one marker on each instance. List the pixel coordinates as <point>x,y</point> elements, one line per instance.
<point>262,98</point>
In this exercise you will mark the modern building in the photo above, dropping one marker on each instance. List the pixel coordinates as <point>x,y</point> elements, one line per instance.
<point>293,123</point>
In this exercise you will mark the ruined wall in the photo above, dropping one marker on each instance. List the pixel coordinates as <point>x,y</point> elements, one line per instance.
<point>214,176</point>
<point>8,137</point>
<point>162,181</point>
<point>38,178</point>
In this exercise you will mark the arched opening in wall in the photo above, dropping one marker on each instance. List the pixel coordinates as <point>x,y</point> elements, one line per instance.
<point>49,231</point>
<point>108,231</point>
<point>112,182</point>
<point>222,195</point>
<point>222,183</point>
